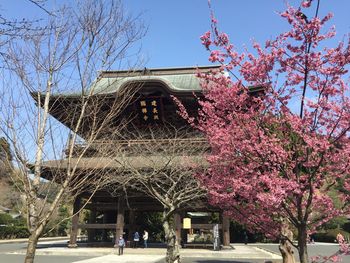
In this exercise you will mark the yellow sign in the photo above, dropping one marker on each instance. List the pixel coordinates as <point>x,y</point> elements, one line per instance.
<point>187,223</point>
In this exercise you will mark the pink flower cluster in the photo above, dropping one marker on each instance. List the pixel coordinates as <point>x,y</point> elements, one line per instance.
<point>277,154</point>
<point>344,249</point>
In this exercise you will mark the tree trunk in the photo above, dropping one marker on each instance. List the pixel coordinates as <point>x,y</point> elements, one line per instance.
<point>302,244</point>
<point>286,250</point>
<point>31,248</point>
<point>172,252</point>
<point>285,247</point>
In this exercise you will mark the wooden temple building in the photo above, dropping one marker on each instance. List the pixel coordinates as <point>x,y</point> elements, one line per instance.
<point>152,105</point>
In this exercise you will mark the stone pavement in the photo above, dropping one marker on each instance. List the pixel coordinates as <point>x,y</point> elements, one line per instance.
<point>148,255</point>
<point>24,240</point>
<point>124,259</point>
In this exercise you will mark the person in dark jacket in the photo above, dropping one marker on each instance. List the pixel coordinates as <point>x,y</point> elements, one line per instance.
<point>136,239</point>
<point>245,235</point>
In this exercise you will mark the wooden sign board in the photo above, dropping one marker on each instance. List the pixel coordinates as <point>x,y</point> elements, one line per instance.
<point>150,110</point>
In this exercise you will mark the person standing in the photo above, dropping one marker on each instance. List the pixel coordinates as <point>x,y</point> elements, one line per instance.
<point>145,238</point>
<point>136,239</point>
<point>245,237</point>
<point>121,245</point>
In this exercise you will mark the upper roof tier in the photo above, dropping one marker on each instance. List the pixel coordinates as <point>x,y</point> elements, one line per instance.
<point>175,79</point>
<point>143,96</point>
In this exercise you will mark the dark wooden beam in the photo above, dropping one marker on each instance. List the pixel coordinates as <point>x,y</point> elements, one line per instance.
<point>100,226</point>
<point>204,226</point>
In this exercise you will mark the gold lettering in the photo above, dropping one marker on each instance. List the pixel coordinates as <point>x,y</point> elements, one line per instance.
<point>143,103</point>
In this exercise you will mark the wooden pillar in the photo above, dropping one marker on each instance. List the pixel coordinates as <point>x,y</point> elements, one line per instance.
<point>75,221</point>
<point>226,230</point>
<point>92,220</point>
<point>104,231</point>
<point>131,224</point>
<point>178,227</point>
<point>120,219</point>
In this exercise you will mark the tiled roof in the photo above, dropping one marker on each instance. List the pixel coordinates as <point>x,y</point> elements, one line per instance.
<point>176,80</point>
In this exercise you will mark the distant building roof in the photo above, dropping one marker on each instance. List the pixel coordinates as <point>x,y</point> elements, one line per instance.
<point>198,214</point>
<point>16,215</point>
<point>4,209</point>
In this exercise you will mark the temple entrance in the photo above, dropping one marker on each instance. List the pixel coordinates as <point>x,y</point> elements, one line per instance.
<point>105,220</point>
<point>146,142</point>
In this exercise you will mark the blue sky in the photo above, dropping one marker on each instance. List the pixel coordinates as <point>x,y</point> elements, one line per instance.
<point>176,25</point>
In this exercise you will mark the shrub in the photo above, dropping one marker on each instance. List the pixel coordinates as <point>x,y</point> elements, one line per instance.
<point>329,235</point>
<point>6,219</point>
<point>335,223</point>
<point>8,232</point>
<point>20,221</point>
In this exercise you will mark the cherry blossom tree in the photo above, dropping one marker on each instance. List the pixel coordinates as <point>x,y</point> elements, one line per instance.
<point>276,154</point>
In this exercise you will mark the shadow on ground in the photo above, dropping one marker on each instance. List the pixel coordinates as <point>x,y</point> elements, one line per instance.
<point>193,260</point>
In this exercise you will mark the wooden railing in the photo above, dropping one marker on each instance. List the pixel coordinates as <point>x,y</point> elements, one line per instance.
<point>134,147</point>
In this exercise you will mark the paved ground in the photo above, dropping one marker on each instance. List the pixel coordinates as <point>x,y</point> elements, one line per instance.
<point>10,258</point>
<point>57,252</point>
<point>238,252</point>
<point>161,259</point>
<point>123,258</point>
<point>68,259</point>
<point>317,249</point>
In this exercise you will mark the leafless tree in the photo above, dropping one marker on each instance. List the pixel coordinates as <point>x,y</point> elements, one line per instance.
<point>160,162</point>
<point>63,57</point>
<point>5,158</point>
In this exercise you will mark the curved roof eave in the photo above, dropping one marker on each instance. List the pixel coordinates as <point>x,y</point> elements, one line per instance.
<point>174,84</point>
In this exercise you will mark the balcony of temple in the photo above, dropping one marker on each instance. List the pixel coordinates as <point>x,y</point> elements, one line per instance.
<point>139,147</point>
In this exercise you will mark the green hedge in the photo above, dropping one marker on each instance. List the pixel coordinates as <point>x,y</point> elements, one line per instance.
<point>329,236</point>
<point>5,219</point>
<point>8,232</point>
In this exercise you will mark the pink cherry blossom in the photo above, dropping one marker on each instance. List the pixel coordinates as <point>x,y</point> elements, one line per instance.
<point>276,154</point>
<point>306,3</point>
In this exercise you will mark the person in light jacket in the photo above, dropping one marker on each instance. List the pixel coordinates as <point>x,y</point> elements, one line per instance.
<point>121,245</point>
<point>145,238</point>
